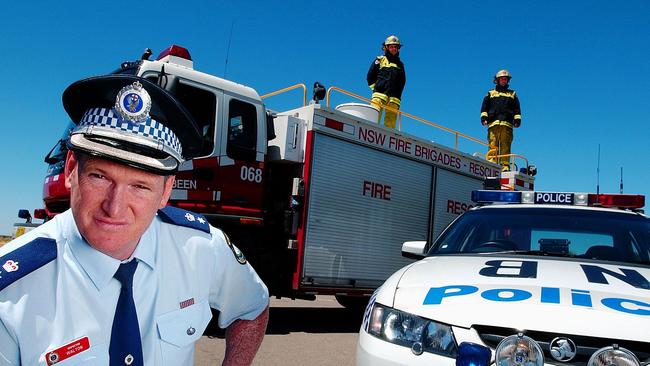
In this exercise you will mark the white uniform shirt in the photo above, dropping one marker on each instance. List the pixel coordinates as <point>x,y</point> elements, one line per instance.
<point>181,273</point>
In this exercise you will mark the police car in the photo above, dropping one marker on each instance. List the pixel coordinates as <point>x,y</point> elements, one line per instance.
<point>524,278</point>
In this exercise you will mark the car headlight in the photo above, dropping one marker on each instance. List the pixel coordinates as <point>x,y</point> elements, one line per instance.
<point>519,350</point>
<point>408,330</point>
<point>614,356</point>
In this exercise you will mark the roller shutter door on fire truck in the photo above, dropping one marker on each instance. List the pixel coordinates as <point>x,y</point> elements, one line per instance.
<point>363,204</point>
<point>453,196</point>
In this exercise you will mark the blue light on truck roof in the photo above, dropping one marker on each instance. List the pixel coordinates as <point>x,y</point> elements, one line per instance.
<point>496,196</point>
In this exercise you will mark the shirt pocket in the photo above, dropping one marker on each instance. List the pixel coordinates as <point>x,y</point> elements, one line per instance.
<point>95,355</point>
<point>179,330</point>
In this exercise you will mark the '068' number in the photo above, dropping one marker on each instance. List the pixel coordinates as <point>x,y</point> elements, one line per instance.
<point>251,174</point>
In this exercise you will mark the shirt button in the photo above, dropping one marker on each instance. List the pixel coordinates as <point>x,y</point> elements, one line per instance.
<point>128,359</point>
<point>191,331</point>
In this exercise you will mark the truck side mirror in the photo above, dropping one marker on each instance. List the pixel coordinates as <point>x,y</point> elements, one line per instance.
<point>270,127</point>
<point>24,214</point>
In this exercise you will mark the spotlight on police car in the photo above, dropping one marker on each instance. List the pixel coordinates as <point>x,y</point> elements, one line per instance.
<point>519,350</point>
<point>613,355</point>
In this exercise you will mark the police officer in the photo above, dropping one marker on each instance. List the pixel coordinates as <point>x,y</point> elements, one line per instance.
<point>387,78</point>
<point>500,112</point>
<point>120,278</point>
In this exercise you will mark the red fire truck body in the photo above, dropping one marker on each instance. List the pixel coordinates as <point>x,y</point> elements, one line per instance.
<point>319,200</point>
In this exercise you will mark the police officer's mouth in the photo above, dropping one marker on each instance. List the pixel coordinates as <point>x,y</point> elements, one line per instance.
<point>109,224</point>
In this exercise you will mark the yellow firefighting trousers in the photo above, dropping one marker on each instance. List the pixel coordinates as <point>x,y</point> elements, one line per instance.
<point>499,141</point>
<point>380,101</point>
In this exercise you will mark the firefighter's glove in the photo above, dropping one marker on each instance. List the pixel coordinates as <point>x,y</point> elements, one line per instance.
<point>517,123</point>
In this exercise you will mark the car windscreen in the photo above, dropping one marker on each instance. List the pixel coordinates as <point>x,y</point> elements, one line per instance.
<point>562,232</point>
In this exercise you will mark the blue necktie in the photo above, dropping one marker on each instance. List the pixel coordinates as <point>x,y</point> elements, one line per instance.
<point>126,345</point>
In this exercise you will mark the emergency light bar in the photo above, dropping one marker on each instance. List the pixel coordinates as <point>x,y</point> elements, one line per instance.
<point>632,201</point>
<point>178,55</point>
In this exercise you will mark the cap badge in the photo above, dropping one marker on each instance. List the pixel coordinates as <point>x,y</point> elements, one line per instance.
<point>133,103</point>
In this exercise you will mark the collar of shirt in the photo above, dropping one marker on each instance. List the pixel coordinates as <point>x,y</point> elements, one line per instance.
<point>100,267</point>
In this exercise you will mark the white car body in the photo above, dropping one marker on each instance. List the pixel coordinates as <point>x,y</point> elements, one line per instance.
<point>480,293</point>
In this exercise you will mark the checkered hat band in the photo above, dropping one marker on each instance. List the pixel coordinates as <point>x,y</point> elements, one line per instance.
<point>150,129</point>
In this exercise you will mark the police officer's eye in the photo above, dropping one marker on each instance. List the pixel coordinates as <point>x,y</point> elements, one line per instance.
<point>143,187</point>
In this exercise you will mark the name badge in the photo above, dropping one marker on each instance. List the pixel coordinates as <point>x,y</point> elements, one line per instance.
<point>67,351</point>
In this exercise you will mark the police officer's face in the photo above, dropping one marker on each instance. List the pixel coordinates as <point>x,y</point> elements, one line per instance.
<point>113,204</point>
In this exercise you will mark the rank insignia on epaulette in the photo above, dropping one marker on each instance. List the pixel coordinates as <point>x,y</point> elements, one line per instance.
<point>10,266</point>
<point>239,256</point>
<point>26,259</point>
<point>177,216</point>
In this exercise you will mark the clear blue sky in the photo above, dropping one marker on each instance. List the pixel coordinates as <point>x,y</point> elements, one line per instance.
<point>581,69</point>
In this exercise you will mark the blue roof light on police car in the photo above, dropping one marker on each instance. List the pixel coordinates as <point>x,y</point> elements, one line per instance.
<point>472,354</point>
<point>484,196</point>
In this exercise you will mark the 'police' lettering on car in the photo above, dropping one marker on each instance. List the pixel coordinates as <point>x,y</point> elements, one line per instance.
<point>558,198</point>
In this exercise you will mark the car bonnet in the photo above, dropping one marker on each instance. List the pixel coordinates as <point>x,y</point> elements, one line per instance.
<point>530,293</point>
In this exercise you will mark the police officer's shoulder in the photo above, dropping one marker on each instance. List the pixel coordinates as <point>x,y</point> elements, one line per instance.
<point>24,259</point>
<point>180,217</point>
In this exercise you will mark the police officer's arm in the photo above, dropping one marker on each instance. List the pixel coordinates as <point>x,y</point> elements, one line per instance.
<point>517,118</point>
<point>371,78</point>
<point>243,339</point>
<point>242,300</point>
<point>485,107</point>
<point>9,353</point>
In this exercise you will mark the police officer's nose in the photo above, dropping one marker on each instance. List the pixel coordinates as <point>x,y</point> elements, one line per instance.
<point>116,201</point>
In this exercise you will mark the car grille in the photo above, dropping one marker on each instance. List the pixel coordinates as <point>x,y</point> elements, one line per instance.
<point>585,345</point>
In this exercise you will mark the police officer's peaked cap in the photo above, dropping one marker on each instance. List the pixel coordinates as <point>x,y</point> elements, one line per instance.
<point>131,120</point>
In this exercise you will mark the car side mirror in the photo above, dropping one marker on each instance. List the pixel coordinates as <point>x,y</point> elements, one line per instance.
<point>414,249</point>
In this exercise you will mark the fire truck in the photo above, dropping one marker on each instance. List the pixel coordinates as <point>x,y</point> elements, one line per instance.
<point>319,199</point>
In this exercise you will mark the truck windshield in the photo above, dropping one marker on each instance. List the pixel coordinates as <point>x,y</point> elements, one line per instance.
<point>561,232</point>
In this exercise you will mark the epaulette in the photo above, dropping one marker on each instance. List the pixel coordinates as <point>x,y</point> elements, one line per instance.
<point>25,260</point>
<point>177,216</point>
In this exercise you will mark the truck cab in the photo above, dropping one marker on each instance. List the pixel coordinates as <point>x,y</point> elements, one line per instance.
<point>226,181</point>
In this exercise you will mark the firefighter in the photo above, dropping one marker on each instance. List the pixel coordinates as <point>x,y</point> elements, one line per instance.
<point>387,78</point>
<point>500,112</point>
<point>120,278</point>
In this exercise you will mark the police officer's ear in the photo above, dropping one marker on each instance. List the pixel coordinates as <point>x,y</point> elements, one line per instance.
<point>71,167</point>
<point>169,184</point>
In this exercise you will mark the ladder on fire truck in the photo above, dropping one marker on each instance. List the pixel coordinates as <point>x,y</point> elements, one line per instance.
<point>508,180</point>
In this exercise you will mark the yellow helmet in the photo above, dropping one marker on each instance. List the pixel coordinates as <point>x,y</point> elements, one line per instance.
<point>502,73</point>
<point>392,40</point>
